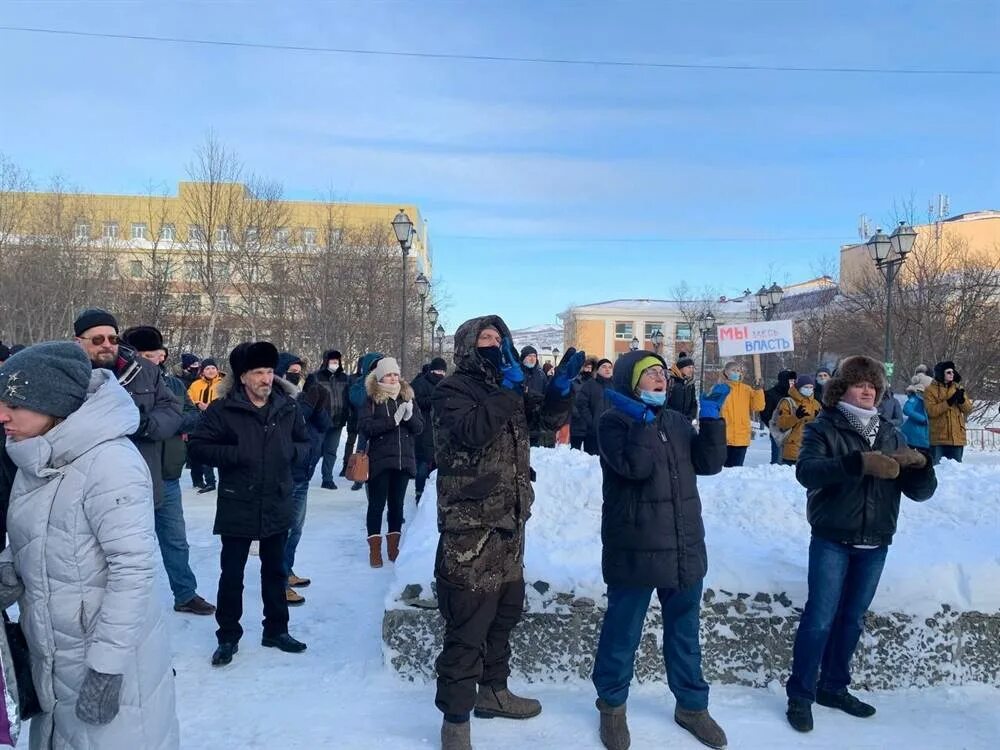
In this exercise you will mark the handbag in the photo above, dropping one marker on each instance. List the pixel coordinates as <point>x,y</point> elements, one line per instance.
<point>357,467</point>
<point>27,698</point>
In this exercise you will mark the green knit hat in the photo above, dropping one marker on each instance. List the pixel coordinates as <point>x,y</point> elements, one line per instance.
<point>642,365</point>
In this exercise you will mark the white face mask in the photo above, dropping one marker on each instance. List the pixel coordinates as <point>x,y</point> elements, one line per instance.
<point>806,391</point>
<point>333,365</point>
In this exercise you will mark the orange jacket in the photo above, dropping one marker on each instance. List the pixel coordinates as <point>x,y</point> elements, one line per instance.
<point>787,420</point>
<point>741,402</point>
<point>205,391</point>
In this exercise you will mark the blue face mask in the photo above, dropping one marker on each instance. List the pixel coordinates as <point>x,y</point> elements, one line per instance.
<point>806,391</point>
<point>734,375</point>
<point>653,398</point>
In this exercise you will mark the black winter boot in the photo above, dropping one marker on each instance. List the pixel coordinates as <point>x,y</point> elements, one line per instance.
<point>702,726</point>
<point>800,714</point>
<point>283,641</point>
<point>224,654</point>
<point>846,702</point>
<point>614,727</point>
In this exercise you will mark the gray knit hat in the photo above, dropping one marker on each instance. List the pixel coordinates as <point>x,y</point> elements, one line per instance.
<point>51,378</point>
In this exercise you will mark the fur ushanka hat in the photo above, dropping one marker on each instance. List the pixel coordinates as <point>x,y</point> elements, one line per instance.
<point>851,371</point>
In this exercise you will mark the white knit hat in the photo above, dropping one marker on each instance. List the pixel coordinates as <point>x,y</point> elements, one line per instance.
<point>386,366</point>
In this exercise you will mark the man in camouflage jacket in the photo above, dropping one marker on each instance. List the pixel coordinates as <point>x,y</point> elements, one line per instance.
<point>481,428</point>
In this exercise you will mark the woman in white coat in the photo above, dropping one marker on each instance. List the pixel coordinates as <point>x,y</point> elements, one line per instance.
<point>82,545</point>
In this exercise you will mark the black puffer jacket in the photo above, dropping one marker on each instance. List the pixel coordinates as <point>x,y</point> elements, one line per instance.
<point>682,396</point>
<point>774,394</point>
<point>254,450</point>
<point>175,448</point>
<point>484,465</point>
<point>390,445</point>
<point>845,506</point>
<point>651,527</point>
<point>423,391</point>
<point>590,404</point>
<point>336,384</point>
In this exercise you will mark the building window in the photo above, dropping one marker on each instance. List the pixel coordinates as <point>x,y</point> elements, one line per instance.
<point>623,331</point>
<point>309,237</point>
<point>139,232</point>
<point>196,233</point>
<point>191,302</point>
<point>223,305</point>
<point>682,332</point>
<point>190,270</point>
<point>252,234</point>
<point>135,269</point>
<point>222,234</point>
<point>333,238</point>
<point>110,230</point>
<point>168,233</point>
<point>222,272</point>
<point>282,236</point>
<point>162,270</point>
<point>651,329</point>
<point>82,231</point>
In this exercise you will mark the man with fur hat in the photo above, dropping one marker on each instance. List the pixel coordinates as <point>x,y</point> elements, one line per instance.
<point>482,416</point>
<point>171,531</point>
<point>160,413</point>
<point>331,376</point>
<point>854,466</point>
<point>683,397</point>
<point>253,433</point>
<point>947,409</point>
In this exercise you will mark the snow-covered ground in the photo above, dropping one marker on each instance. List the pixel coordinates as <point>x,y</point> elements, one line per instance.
<point>339,695</point>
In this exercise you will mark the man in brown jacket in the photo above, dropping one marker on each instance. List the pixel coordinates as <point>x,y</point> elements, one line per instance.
<point>947,408</point>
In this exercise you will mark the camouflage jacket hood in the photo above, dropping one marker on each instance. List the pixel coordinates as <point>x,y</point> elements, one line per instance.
<point>467,359</point>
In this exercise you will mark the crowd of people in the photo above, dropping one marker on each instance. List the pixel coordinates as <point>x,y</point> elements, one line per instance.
<point>99,430</point>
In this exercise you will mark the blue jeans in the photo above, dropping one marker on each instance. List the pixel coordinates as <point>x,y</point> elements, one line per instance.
<point>954,452</point>
<point>842,584</point>
<point>299,494</point>
<point>331,441</point>
<point>621,631</point>
<point>172,536</point>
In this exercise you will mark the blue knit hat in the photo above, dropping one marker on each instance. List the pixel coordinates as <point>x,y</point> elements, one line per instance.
<point>50,378</point>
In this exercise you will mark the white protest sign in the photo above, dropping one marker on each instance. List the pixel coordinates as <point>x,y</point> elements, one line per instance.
<point>762,337</point>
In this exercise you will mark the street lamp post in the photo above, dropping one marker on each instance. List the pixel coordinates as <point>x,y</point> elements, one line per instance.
<point>403,228</point>
<point>634,346</point>
<point>706,323</point>
<point>555,356</point>
<point>658,341</point>
<point>889,253</point>
<point>440,333</point>
<point>423,286</point>
<point>432,318</point>
<point>768,299</point>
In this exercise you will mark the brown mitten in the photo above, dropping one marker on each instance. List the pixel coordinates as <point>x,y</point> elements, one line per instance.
<point>879,465</point>
<point>907,458</point>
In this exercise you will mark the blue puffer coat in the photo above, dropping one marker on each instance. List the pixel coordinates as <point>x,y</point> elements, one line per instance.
<point>915,428</point>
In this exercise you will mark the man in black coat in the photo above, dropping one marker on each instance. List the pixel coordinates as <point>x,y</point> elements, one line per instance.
<point>423,389</point>
<point>653,539</point>
<point>253,433</point>
<point>535,382</point>
<point>683,397</point>
<point>772,397</point>
<point>482,415</point>
<point>854,466</point>
<point>591,402</point>
<point>331,376</point>
<point>160,414</point>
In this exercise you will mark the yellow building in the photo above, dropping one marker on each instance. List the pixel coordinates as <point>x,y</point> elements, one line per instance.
<point>978,231</point>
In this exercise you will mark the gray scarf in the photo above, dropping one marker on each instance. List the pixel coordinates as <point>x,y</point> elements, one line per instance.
<point>865,421</point>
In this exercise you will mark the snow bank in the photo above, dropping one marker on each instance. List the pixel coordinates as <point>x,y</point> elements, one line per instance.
<point>945,551</point>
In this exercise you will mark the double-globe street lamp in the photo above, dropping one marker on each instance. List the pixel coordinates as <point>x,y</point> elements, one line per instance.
<point>706,323</point>
<point>403,228</point>
<point>634,346</point>
<point>440,334</point>
<point>889,253</point>
<point>768,299</point>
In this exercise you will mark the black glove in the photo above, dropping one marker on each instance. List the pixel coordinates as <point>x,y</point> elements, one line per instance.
<point>801,412</point>
<point>958,397</point>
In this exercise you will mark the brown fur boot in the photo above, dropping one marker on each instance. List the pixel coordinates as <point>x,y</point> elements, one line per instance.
<point>375,550</point>
<point>392,545</point>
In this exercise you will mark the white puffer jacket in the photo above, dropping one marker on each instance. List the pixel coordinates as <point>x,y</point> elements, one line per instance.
<point>82,540</point>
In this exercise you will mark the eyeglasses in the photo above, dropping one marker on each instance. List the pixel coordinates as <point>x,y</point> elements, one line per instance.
<point>656,371</point>
<point>98,340</point>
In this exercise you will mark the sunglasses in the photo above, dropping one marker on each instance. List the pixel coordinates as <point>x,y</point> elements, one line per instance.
<point>98,340</point>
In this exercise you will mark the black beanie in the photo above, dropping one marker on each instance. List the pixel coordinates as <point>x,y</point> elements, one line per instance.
<point>91,317</point>
<point>438,363</point>
<point>684,360</point>
<point>208,363</point>
<point>143,338</point>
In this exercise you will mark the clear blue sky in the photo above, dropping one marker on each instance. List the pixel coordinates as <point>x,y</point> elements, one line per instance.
<point>543,185</point>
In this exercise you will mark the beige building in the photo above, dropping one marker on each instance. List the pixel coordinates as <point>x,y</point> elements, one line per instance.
<point>978,231</point>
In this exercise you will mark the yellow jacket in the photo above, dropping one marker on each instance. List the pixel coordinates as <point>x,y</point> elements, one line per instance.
<point>787,420</point>
<point>205,391</point>
<point>947,422</point>
<point>737,410</point>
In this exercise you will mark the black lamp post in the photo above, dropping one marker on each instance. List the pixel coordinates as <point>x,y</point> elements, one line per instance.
<point>768,299</point>
<point>440,333</point>
<point>706,323</point>
<point>634,346</point>
<point>403,228</point>
<point>889,254</point>
<point>423,286</point>
<point>658,341</point>
<point>432,317</point>
<point>555,356</point>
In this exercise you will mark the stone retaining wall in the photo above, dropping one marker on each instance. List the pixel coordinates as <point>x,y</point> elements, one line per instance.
<point>746,640</point>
